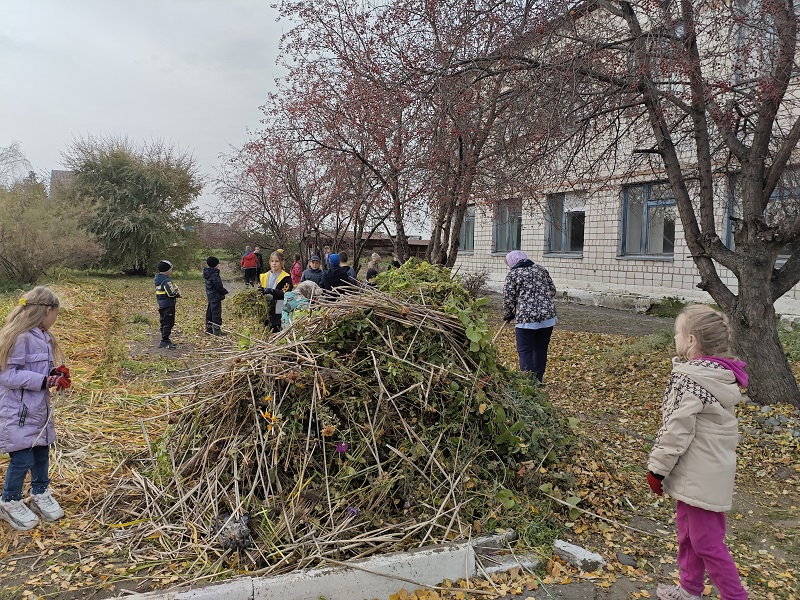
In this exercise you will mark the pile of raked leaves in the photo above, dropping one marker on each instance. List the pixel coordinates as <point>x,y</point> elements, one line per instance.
<point>378,421</point>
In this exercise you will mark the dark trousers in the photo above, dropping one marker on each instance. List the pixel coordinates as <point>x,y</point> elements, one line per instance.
<point>214,316</point>
<point>274,323</point>
<point>167,315</point>
<point>251,276</point>
<point>37,461</point>
<point>532,349</point>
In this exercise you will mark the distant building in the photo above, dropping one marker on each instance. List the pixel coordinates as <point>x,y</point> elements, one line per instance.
<point>60,180</point>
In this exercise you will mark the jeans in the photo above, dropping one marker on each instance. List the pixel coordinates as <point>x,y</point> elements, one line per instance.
<point>532,349</point>
<point>701,550</point>
<point>37,461</point>
<point>214,316</point>
<point>167,315</point>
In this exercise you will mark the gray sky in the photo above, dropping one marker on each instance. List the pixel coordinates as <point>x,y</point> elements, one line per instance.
<point>192,72</point>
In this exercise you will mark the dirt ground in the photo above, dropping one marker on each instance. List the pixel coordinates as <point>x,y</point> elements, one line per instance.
<point>595,319</point>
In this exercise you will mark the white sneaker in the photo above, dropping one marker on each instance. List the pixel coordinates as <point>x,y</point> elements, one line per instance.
<point>46,506</point>
<point>18,515</point>
<point>674,592</point>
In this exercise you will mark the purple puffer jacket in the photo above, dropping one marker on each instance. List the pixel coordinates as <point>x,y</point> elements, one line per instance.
<point>21,382</point>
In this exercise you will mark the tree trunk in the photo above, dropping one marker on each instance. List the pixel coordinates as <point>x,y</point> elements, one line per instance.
<point>755,341</point>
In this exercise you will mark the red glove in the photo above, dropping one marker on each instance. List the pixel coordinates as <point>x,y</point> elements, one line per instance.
<point>61,370</point>
<point>59,382</point>
<point>656,483</point>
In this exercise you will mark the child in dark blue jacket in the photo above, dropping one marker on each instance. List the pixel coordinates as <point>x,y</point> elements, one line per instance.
<point>215,293</point>
<point>166,295</point>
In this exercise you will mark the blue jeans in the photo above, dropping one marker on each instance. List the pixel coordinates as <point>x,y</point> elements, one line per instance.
<point>37,461</point>
<point>532,349</point>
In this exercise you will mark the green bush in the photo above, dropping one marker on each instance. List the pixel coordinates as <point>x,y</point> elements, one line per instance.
<point>248,304</point>
<point>666,307</point>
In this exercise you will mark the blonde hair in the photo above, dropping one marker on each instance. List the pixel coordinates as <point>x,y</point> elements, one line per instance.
<point>308,288</point>
<point>27,315</point>
<point>709,327</point>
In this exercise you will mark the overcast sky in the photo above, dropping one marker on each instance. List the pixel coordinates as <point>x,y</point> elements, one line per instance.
<point>192,72</point>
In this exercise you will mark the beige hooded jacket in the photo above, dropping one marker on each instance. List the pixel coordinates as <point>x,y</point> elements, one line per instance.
<point>696,447</point>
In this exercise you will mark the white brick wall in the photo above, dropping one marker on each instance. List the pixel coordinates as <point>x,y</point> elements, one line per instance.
<point>600,265</point>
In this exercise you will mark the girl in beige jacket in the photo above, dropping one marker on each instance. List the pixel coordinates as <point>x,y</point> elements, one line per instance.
<point>694,454</point>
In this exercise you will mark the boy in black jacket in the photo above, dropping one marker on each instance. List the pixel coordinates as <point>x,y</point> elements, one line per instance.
<point>166,295</point>
<point>215,292</point>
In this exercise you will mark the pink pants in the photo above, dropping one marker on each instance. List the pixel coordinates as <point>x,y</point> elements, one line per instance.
<point>701,549</point>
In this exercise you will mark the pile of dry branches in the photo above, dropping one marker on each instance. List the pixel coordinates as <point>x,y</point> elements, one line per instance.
<point>367,426</point>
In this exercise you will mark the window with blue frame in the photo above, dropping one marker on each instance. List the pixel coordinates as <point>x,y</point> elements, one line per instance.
<point>566,218</point>
<point>466,237</point>
<point>507,229</point>
<point>784,203</point>
<point>648,220</point>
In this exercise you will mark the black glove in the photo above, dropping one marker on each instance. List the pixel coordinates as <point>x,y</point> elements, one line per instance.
<point>269,291</point>
<point>508,318</point>
<point>225,292</point>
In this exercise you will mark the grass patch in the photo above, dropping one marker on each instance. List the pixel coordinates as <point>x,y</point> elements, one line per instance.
<point>790,339</point>
<point>139,318</point>
<point>159,366</point>
<point>666,307</point>
<point>638,352</point>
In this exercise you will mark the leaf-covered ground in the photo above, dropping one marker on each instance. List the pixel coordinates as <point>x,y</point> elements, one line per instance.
<point>613,384</point>
<point>610,383</point>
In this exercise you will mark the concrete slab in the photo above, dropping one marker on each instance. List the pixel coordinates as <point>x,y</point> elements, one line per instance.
<point>582,558</point>
<point>374,577</point>
<point>235,589</point>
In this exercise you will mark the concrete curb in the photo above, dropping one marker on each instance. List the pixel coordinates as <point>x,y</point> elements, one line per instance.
<point>610,296</point>
<point>374,577</point>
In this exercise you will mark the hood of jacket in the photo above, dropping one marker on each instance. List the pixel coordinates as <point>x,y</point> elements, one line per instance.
<point>339,271</point>
<point>161,278</point>
<point>719,381</point>
<point>209,271</point>
<point>523,263</point>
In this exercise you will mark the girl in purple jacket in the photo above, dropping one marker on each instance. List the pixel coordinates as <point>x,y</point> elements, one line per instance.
<point>28,354</point>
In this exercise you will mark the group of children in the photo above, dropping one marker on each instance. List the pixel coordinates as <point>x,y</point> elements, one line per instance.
<point>285,292</point>
<point>693,457</point>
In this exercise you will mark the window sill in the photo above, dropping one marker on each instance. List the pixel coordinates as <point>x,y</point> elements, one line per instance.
<point>466,252</point>
<point>569,255</point>
<point>502,253</point>
<point>650,257</point>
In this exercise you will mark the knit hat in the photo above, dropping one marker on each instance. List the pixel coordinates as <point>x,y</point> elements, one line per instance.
<point>212,261</point>
<point>164,266</point>
<point>333,260</point>
<point>514,257</point>
<point>371,273</point>
<point>314,257</point>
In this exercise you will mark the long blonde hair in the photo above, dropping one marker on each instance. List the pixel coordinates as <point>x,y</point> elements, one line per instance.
<point>375,262</point>
<point>27,315</point>
<point>709,327</point>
